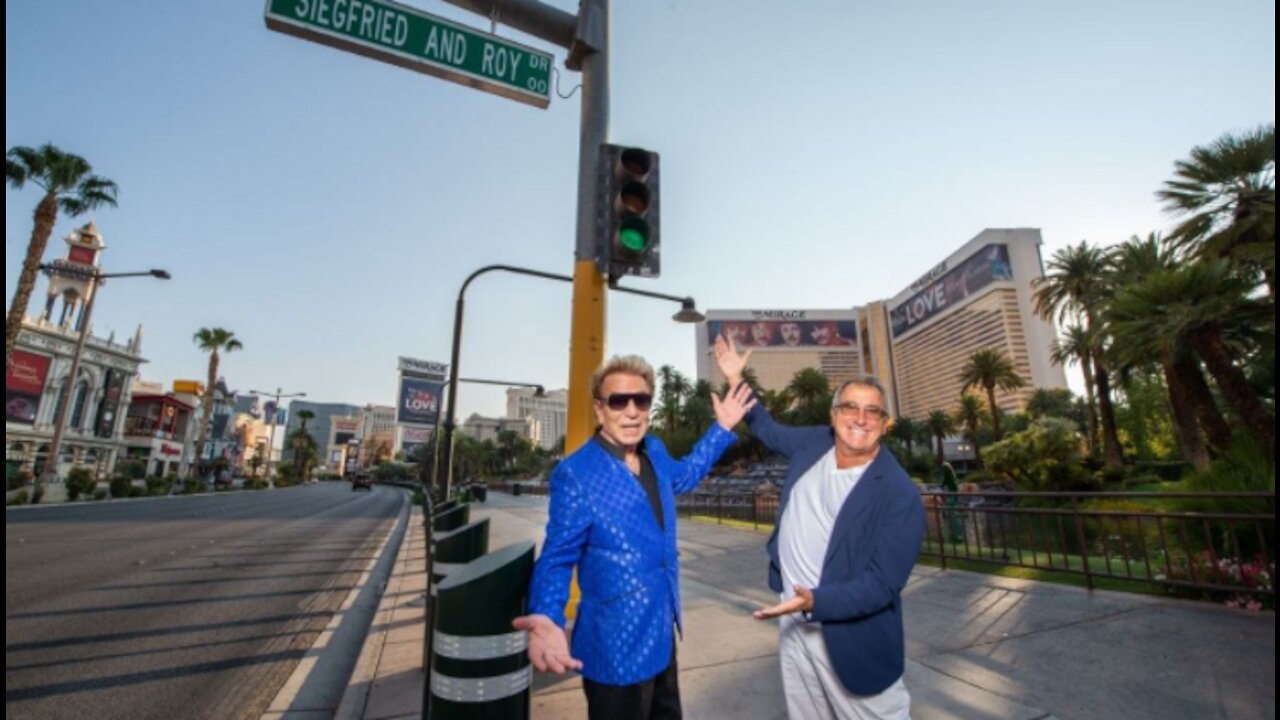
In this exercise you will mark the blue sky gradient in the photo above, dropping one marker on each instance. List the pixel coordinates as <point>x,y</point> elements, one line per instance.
<point>327,207</point>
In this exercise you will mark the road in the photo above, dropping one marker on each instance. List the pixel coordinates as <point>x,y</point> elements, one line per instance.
<point>185,607</point>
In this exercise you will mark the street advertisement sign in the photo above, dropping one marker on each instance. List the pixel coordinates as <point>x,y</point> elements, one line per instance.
<point>112,391</point>
<point>419,401</point>
<point>412,39</point>
<point>423,368</point>
<point>24,381</point>
<point>787,333</point>
<point>413,440</point>
<point>988,265</point>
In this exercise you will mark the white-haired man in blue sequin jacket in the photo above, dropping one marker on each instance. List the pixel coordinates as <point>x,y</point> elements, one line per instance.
<point>612,515</point>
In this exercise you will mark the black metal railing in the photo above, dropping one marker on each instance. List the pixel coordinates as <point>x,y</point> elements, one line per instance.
<point>1188,542</point>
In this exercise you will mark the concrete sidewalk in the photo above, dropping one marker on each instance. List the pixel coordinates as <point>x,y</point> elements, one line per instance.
<point>978,646</point>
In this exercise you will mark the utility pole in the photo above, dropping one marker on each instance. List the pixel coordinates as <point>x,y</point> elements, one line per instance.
<point>586,37</point>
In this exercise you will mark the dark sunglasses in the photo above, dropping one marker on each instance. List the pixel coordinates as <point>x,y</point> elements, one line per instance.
<point>619,401</point>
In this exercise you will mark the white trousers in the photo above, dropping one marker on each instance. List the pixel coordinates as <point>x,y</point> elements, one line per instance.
<point>813,689</point>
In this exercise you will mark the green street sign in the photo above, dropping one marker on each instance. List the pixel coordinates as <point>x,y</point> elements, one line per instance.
<point>405,36</point>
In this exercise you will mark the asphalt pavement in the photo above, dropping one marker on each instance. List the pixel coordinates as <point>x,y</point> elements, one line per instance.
<point>979,647</point>
<point>180,607</point>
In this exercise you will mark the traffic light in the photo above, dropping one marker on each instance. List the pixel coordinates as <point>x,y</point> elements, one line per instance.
<point>629,242</point>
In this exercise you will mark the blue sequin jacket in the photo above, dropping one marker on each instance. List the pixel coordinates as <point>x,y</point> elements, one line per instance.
<point>601,521</point>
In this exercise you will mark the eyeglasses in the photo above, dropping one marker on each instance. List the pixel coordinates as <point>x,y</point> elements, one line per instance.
<point>620,401</point>
<point>855,411</point>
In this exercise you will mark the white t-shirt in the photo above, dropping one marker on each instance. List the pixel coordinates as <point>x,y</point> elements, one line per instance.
<point>811,512</point>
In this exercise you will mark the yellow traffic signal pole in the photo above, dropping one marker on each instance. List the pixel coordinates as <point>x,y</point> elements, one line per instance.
<point>590,295</point>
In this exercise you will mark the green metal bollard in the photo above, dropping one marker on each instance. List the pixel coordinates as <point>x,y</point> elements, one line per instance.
<point>450,550</point>
<point>481,668</point>
<point>451,519</point>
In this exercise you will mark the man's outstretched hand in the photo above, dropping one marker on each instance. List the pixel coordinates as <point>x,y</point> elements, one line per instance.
<point>802,602</point>
<point>548,647</point>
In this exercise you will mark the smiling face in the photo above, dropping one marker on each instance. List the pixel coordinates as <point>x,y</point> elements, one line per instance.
<point>858,431</point>
<point>625,427</point>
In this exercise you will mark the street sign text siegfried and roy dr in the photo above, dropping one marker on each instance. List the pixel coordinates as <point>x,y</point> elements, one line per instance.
<point>405,36</point>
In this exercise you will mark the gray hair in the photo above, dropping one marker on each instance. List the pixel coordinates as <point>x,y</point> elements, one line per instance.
<point>867,381</point>
<point>621,364</point>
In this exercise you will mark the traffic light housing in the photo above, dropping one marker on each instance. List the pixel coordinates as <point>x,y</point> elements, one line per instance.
<point>629,241</point>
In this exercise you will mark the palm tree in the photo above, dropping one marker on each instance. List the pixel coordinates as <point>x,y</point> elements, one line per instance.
<point>969,419</point>
<point>304,446</point>
<point>1140,338</point>
<point>990,369</point>
<point>905,430</point>
<point>940,425</point>
<point>1225,194</point>
<point>674,388</point>
<point>212,340</point>
<point>1073,347</point>
<point>1136,343</point>
<point>811,392</point>
<point>1206,309</point>
<point>698,413</point>
<point>68,185</point>
<point>1077,287</point>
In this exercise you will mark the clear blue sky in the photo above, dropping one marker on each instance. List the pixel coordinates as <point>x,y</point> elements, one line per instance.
<point>327,207</point>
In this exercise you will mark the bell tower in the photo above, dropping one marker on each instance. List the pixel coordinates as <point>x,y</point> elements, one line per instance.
<point>72,277</point>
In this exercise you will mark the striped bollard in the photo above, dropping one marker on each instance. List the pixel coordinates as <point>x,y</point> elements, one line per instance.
<point>480,667</point>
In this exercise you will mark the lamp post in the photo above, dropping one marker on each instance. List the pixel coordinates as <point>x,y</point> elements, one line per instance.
<point>688,314</point>
<point>68,398</point>
<point>271,435</point>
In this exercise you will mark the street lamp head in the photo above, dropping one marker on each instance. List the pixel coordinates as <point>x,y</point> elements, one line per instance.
<point>539,391</point>
<point>161,274</point>
<point>688,312</point>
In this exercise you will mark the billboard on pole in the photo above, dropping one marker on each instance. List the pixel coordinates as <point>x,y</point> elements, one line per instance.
<point>419,401</point>
<point>24,381</point>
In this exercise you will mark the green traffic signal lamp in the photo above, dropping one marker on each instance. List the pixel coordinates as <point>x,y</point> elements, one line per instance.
<point>628,242</point>
<point>633,236</point>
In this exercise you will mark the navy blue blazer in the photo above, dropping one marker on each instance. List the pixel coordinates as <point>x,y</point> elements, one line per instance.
<point>874,543</point>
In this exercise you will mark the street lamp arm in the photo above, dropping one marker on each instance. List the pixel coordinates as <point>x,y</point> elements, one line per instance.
<point>445,458</point>
<point>511,269</point>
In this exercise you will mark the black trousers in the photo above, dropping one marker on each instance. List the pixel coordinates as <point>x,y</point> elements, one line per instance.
<point>657,698</point>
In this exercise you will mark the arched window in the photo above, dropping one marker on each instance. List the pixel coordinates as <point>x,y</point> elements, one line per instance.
<point>77,407</point>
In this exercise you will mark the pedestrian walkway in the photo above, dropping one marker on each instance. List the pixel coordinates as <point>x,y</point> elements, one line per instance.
<point>978,647</point>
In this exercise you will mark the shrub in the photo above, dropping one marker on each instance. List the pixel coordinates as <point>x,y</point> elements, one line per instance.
<point>100,494</point>
<point>255,484</point>
<point>121,485</point>
<point>159,485</point>
<point>19,479</point>
<point>80,482</point>
<point>136,491</point>
<point>1113,476</point>
<point>1044,457</point>
<point>193,486</point>
<point>1166,471</point>
<point>20,498</point>
<point>1142,479</point>
<point>132,469</point>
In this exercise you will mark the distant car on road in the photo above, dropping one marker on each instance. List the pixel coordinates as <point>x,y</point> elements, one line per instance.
<point>362,481</point>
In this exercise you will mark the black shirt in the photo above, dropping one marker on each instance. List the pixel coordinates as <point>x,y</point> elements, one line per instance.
<point>648,480</point>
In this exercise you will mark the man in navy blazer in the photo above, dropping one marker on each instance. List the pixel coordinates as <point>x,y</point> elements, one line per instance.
<point>850,525</point>
<point>612,515</point>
